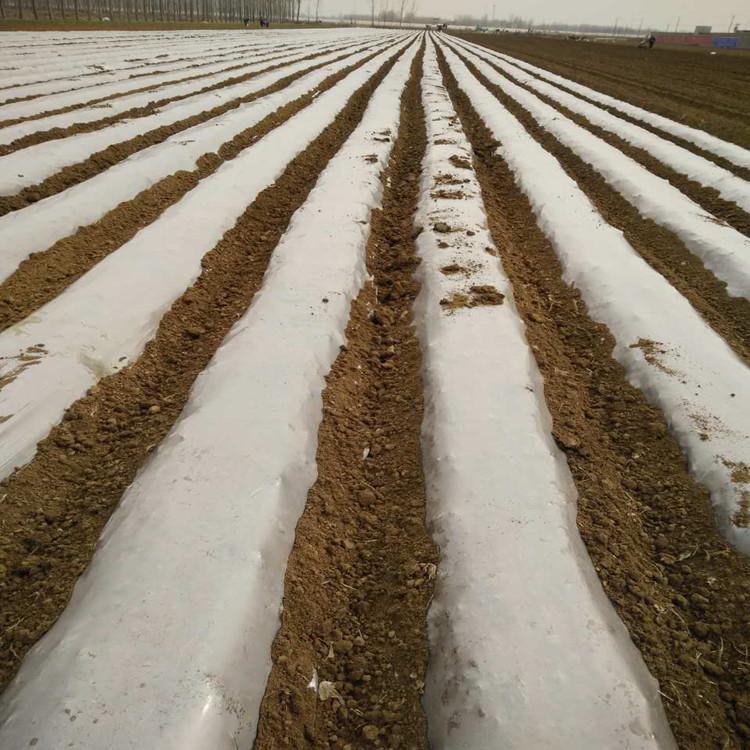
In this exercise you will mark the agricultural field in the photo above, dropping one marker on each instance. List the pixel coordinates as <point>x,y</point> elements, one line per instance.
<point>368,388</point>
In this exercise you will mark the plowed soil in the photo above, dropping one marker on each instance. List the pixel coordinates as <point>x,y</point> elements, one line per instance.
<point>710,92</point>
<point>683,593</point>
<point>661,248</point>
<point>108,157</point>
<point>152,106</point>
<point>54,508</point>
<point>360,576</point>
<point>44,275</point>
<point>706,197</point>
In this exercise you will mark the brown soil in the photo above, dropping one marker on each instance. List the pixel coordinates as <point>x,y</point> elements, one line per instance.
<point>146,65</point>
<point>55,507</point>
<point>108,157</point>
<point>659,247</point>
<point>742,172</point>
<point>151,108</point>
<point>44,275</point>
<point>709,92</point>
<point>709,198</point>
<point>680,589</point>
<point>477,296</point>
<point>229,56</point>
<point>359,578</point>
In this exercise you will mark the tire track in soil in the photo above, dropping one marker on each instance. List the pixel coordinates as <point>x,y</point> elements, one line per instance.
<point>682,592</point>
<point>44,275</point>
<point>55,507</point>
<point>663,134</point>
<point>108,157</point>
<point>359,578</point>
<point>43,136</point>
<point>707,197</point>
<point>661,248</point>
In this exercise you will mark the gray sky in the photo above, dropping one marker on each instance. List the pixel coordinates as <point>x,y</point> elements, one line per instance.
<point>657,13</point>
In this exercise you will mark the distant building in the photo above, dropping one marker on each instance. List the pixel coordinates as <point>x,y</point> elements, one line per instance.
<point>702,29</point>
<point>728,40</point>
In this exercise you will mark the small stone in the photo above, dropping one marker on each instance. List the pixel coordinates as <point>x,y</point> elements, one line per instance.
<point>711,668</point>
<point>155,409</point>
<point>700,629</point>
<point>195,332</point>
<point>367,497</point>
<point>442,227</point>
<point>699,600</point>
<point>370,732</point>
<point>343,646</point>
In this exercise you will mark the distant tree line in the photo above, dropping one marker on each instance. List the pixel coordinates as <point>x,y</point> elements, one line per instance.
<point>227,11</point>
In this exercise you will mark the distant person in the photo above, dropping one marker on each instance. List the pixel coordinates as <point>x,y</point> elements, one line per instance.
<point>651,41</point>
<point>246,21</point>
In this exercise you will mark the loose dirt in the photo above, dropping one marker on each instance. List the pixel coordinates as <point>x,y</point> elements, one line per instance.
<point>102,160</point>
<point>151,108</point>
<point>719,160</point>
<point>137,111</point>
<point>44,275</point>
<point>359,578</point>
<point>709,198</point>
<point>54,508</point>
<point>151,68</point>
<point>709,92</point>
<point>680,589</point>
<point>659,247</point>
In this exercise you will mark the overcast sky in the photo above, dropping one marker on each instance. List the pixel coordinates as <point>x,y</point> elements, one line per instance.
<point>657,13</point>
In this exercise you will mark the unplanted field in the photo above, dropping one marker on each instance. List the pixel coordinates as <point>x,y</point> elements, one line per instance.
<point>369,388</point>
